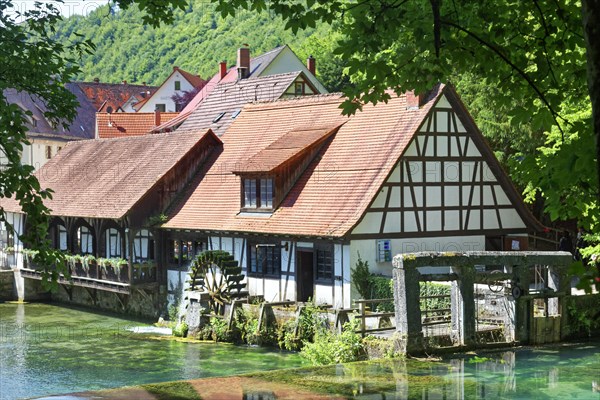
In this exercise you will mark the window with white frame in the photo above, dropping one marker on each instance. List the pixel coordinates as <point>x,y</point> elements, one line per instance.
<point>143,246</point>
<point>113,243</point>
<point>85,240</point>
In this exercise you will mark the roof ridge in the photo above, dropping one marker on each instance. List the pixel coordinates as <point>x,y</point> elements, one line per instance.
<point>147,136</point>
<point>298,99</point>
<point>278,48</point>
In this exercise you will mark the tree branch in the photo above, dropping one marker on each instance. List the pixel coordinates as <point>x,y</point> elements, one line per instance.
<point>530,82</point>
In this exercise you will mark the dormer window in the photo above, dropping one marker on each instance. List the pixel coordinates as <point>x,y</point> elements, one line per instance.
<point>270,174</point>
<point>258,193</point>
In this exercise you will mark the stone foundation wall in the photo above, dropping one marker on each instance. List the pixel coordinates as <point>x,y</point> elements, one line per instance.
<point>148,304</point>
<point>7,285</point>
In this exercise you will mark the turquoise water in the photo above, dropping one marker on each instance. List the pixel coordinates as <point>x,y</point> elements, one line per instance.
<point>46,349</point>
<point>560,372</point>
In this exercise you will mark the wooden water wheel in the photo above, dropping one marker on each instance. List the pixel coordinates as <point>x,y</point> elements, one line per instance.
<point>216,273</point>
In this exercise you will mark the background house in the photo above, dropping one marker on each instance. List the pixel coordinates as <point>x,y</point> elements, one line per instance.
<point>45,138</point>
<point>275,62</point>
<point>114,97</point>
<point>177,82</point>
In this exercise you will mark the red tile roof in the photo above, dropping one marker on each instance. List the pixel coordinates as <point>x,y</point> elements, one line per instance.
<point>288,147</point>
<point>232,96</point>
<point>195,80</point>
<point>331,195</point>
<point>257,65</point>
<point>105,178</point>
<point>128,124</point>
<point>103,95</point>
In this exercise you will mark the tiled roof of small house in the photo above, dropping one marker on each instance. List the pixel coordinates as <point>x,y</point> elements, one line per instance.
<point>229,98</point>
<point>331,195</point>
<point>195,80</point>
<point>104,95</point>
<point>82,127</point>
<point>257,66</point>
<point>105,178</point>
<point>128,124</point>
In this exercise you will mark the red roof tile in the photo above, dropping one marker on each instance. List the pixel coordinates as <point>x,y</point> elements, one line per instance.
<point>330,197</point>
<point>104,95</point>
<point>286,148</point>
<point>128,124</point>
<point>195,80</point>
<point>105,178</point>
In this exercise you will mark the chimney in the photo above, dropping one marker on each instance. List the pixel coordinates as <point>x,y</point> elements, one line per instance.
<point>413,102</point>
<point>223,69</point>
<point>143,83</point>
<point>311,65</point>
<point>156,117</point>
<point>243,62</point>
<point>96,80</point>
<point>175,67</point>
<point>124,82</point>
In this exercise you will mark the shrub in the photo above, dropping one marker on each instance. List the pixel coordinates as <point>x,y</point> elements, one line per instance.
<point>361,278</point>
<point>246,323</point>
<point>434,289</point>
<point>331,348</point>
<point>382,287</point>
<point>220,331</point>
<point>180,330</point>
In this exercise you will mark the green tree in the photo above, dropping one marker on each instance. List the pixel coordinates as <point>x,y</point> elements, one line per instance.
<point>536,55</point>
<point>33,62</point>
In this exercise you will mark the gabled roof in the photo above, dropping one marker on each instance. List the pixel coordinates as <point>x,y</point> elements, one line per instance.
<point>257,66</point>
<point>195,80</point>
<point>104,95</point>
<point>331,196</point>
<point>105,178</point>
<point>128,124</point>
<point>231,97</point>
<point>288,147</point>
<point>82,127</point>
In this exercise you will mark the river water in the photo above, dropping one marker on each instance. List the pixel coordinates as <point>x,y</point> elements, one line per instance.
<point>46,349</point>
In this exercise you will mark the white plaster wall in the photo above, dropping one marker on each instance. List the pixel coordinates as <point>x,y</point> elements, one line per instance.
<point>368,249</point>
<point>287,61</point>
<point>34,154</point>
<point>323,294</point>
<point>165,92</point>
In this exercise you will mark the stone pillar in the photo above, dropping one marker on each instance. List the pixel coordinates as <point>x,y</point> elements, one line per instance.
<point>553,284</point>
<point>407,305</point>
<point>463,305</point>
<point>522,304</point>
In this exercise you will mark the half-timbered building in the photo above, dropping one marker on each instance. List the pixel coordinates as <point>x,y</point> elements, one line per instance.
<point>108,198</point>
<point>300,192</point>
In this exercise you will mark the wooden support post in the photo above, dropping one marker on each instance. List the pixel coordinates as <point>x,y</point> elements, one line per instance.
<point>130,238</point>
<point>363,322</point>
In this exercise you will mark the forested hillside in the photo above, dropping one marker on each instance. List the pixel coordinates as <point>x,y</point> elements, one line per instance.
<point>197,41</point>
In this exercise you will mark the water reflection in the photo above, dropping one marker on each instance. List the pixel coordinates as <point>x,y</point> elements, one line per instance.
<point>545,373</point>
